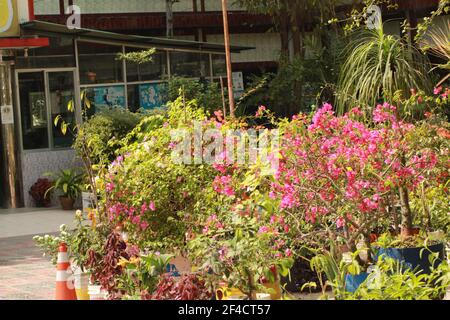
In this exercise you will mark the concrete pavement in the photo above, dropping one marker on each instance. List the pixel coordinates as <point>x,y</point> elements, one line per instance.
<point>24,273</point>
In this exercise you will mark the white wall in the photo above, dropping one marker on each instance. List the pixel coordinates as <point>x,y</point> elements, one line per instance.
<point>112,6</point>
<point>216,5</point>
<point>268,46</point>
<point>46,7</point>
<point>36,164</point>
<point>117,6</point>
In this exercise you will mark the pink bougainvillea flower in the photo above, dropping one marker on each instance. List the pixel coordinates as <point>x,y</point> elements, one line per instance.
<point>437,90</point>
<point>152,206</point>
<point>264,229</point>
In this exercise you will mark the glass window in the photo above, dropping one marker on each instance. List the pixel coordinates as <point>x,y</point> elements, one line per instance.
<point>33,110</point>
<point>105,97</point>
<point>60,54</point>
<point>190,64</point>
<point>154,70</point>
<point>147,96</point>
<point>219,65</point>
<point>99,63</point>
<point>61,88</point>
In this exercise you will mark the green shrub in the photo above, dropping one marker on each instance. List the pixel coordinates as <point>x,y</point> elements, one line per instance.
<point>99,137</point>
<point>207,94</point>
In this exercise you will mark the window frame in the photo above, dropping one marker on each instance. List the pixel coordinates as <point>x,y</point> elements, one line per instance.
<point>50,125</point>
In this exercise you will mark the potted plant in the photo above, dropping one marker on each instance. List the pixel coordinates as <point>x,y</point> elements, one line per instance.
<point>38,192</point>
<point>69,182</point>
<point>88,199</point>
<point>79,241</point>
<point>344,178</point>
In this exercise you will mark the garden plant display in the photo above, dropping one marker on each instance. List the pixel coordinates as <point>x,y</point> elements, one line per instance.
<point>345,187</point>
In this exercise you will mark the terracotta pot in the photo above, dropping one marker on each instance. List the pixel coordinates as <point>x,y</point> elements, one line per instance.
<point>66,203</point>
<point>92,76</point>
<point>374,237</point>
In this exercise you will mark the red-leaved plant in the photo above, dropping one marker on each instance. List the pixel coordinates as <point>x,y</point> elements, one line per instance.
<point>104,265</point>
<point>38,192</point>
<point>186,287</point>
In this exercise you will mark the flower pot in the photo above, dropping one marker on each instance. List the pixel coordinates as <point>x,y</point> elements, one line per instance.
<point>224,293</point>
<point>352,282</point>
<point>88,200</point>
<point>92,76</point>
<point>416,259</point>
<point>97,293</point>
<point>82,285</point>
<point>66,203</point>
<point>263,296</point>
<point>374,237</point>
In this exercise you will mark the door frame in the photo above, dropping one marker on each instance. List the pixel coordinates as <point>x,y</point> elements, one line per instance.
<point>46,71</point>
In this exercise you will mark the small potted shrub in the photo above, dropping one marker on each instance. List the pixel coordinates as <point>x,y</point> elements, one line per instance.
<point>186,287</point>
<point>80,241</point>
<point>69,183</point>
<point>38,192</point>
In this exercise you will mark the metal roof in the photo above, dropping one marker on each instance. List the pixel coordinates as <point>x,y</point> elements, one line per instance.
<point>48,28</point>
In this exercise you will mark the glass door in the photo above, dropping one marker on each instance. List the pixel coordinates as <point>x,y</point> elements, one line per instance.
<point>61,98</point>
<point>43,96</point>
<point>33,110</point>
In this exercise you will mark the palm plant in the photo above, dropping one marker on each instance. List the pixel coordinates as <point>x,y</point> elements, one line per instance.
<point>437,43</point>
<point>69,182</point>
<point>379,66</point>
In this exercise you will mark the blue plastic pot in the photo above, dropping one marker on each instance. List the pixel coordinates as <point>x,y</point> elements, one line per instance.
<point>352,282</point>
<point>412,258</point>
<point>172,269</point>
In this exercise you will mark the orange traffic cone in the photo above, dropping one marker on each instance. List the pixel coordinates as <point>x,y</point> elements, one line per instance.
<point>65,289</point>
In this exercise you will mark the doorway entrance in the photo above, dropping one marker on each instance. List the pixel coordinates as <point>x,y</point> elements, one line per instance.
<point>43,95</point>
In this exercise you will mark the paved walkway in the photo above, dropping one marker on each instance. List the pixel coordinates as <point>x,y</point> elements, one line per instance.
<point>24,273</point>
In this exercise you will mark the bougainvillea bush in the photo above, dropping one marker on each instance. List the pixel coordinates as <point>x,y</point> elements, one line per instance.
<point>345,176</point>
<point>331,182</point>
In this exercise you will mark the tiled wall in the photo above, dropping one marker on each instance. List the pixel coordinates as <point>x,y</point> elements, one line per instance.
<point>36,164</point>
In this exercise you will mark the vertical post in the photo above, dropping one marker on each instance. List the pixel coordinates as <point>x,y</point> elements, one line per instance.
<point>228,55</point>
<point>223,97</point>
<point>10,163</point>
<point>169,18</point>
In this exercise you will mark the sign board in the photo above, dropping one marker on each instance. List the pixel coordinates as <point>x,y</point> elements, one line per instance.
<point>238,84</point>
<point>7,114</point>
<point>9,19</point>
<point>12,14</point>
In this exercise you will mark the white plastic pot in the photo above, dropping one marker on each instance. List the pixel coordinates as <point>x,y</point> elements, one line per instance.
<point>263,296</point>
<point>88,199</point>
<point>97,293</point>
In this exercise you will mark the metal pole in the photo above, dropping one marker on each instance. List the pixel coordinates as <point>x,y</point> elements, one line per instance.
<point>228,55</point>
<point>11,185</point>
<point>223,97</point>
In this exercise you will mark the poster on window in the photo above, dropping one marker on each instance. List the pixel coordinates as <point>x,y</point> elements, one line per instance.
<point>113,96</point>
<point>152,95</point>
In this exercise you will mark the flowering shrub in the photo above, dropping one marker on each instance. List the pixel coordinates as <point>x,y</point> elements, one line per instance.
<point>340,173</point>
<point>147,192</point>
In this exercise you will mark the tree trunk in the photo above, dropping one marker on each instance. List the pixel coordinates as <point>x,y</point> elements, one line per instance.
<point>284,31</point>
<point>405,210</point>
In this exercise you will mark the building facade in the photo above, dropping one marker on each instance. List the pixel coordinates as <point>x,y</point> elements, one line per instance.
<point>45,66</point>
<point>46,69</point>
